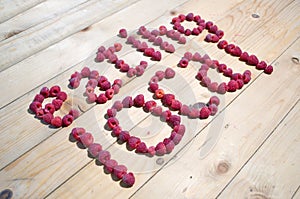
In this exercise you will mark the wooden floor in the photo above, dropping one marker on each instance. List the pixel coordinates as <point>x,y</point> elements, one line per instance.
<point>250,149</point>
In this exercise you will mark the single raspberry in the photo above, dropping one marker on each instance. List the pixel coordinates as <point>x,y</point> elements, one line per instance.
<point>160,75</point>
<point>49,108</point>
<point>62,96</point>
<point>116,88</point>
<point>184,110</point>
<point>103,83</point>
<point>100,57</point>
<point>232,86</point>
<point>142,29</point>
<point>236,76</point>
<point>204,112</point>
<point>128,179</point>
<point>183,63</point>
<point>158,41</point>
<point>139,70</point>
<point>56,122</point>
<point>54,90</point>
<point>109,165</point>
<point>208,24</point>
<point>74,82</point>
<point>213,109</point>
<point>118,105</point>
<point>142,46</point>
<point>261,65</point>
<point>39,98</point>
<point>141,148</point>
<point>77,75</point>
<point>169,144</point>
<point>85,72</point>
<point>139,100</point>
<point>39,113</point>
<point>151,38</point>
<point>220,33</point>
<point>123,33</point>
<point>189,17</point>
<point>111,112</point>
<point>214,100</point>
<point>127,102</point>
<point>197,18</point>
<point>160,149</point>
<point>91,98</point>
<point>77,132</point>
<point>182,40</point>
<point>170,48</point>
<point>67,120</point>
<point>187,32</point>
<point>169,73</point>
<point>92,83</point>
<point>112,58</point>
<point>174,120</point>
<point>222,44</point>
<point>157,111</point>
<point>94,149</point>
<point>246,78</point>
<point>118,47</point>
<point>156,56</point>
<point>130,39</point>
<point>162,30</point>
<point>34,106</point>
<point>94,74</point>
<point>109,93</point>
<point>196,57</point>
<point>214,38</point>
<point>195,31</point>
<point>164,45</point>
<point>86,139</point>
<point>151,150</point>
<point>167,99</point>
<point>213,87</point>
<point>201,74</point>
<point>222,68</point>
<point>75,113</point>
<point>131,72</point>
<point>45,92</point>
<point>57,103</point>
<point>112,49</point>
<point>101,49</point>
<point>268,69</point>
<point>180,129</point>
<point>175,137</point>
<point>237,52</point>
<point>213,29</point>
<point>112,122</point>
<point>175,105</point>
<point>240,83</point>
<point>228,72</point>
<point>149,105</point>
<point>101,99</point>
<point>205,81</point>
<point>252,60</point>
<point>133,142</point>
<point>208,38</point>
<point>116,131</point>
<point>176,36</point>
<point>165,116</point>
<point>229,48</point>
<point>222,89</point>
<point>124,68</point>
<point>188,56</point>
<point>103,156</point>
<point>123,136</point>
<point>120,171</point>
<point>47,118</point>
<point>153,87</point>
<point>89,90</point>
<point>244,57</point>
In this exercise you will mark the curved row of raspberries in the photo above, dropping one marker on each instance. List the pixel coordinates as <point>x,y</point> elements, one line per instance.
<point>111,166</point>
<point>46,113</point>
<point>135,143</point>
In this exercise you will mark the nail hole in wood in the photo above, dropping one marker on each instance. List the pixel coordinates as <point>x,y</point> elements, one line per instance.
<point>295,59</point>
<point>160,161</point>
<point>255,15</point>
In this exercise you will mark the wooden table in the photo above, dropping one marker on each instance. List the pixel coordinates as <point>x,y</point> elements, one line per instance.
<point>250,149</point>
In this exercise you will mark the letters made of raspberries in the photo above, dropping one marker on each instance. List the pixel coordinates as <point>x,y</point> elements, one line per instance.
<point>175,108</point>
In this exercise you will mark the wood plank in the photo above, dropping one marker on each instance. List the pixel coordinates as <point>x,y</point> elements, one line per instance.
<point>9,9</point>
<point>247,125</point>
<point>41,36</point>
<point>296,194</point>
<point>38,14</point>
<point>273,171</point>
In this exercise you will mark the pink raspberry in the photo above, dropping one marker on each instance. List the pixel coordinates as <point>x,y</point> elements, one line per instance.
<point>112,122</point>
<point>149,105</point>
<point>128,179</point>
<point>101,99</point>
<point>158,41</point>
<point>116,131</point>
<point>123,136</point>
<point>47,118</point>
<point>124,68</point>
<point>246,78</point>
<point>151,150</point>
<point>39,113</point>
<point>160,75</point>
<point>183,63</point>
<point>180,129</point>
<point>157,111</point>
<point>91,98</point>
<point>164,45</point>
<point>139,70</point>
<point>213,29</point>
<point>62,96</point>
<point>142,46</point>
<point>141,148</point>
<point>204,112</point>
<point>118,105</point>
<point>133,142</point>
<point>232,86</point>
<point>184,110</point>
<point>67,120</point>
<point>118,82</point>
<point>49,108</point>
<point>182,40</point>
<point>116,88</point>
<point>139,100</point>
<point>213,87</point>
<point>74,82</point>
<point>156,56</point>
<point>205,81</point>
<point>85,72</point>
<point>54,90</point>
<point>196,57</point>
<point>261,65</point>
<point>193,113</point>
<point>45,92</point>
<point>120,171</point>
<point>127,102</point>
<point>34,106</point>
<point>77,132</point>
<point>86,139</point>
<point>167,99</point>
<point>103,156</point>
<point>112,58</point>
<point>89,90</point>
<point>153,87</point>
<point>131,72</point>
<point>201,74</point>
<point>213,109</point>
<point>118,47</point>
<point>149,52</point>
<point>100,57</point>
<point>165,116</point>
<point>237,52</point>
<point>112,112</point>
<point>268,69</point>
<point>222,89</point>
<point>169,144</point>
<point>151,38</point>
<point>101,49</point>
<point>92,83</point>
<point>75,113</point>
<point>153,79</point>
<point>188,56</point>
<point>175,105</point>
<point>197,18</point>
<point>175,137</point>
<point>208,38</point>
<point>229,48</point>
<point>176,36</point>
<point>170,48</point>
<point>130,39</point>
<point>56,122</point>
<point>94,149</point>
<point>123,33</point>
<point>112,50</point>
<point>214,100</point>
<point>109,93</point>
<point>57,103</point>
<point>174,120</point>
<point>109,165</point>
<point>252,60</point>
<point>162,30</point>
<point>39,98</point>
<point>169,73</point>
<point>222,44</point>
<point>160,149</point>
<point>187,32</point>
<point>94,74</point>
<point>228,72</point>
<point>77,75</point>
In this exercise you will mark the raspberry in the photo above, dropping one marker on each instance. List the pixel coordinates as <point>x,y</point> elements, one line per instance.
<point>54,90</point>
<point>124,68</point>
<point>131,72</point>
<point>220,33</point>
<point>128,179</point>
<point>57,103</point>
<point>130,40</point>
<point>205,81</point>
<point>229,48</point>
<point>165,116</point>
<point>139,100</point>
<point>77,132</point>
<point>123,33</point>
<point>188,56</point>
<point>85,72</point>
<point>160,149</point>
<point>174,120</point>
<point>169,73</point>
<point>187,32</point>
<point>180,129</point>
<point>167,99</point>
<point>142,46</point>
<point>39,98</point>
<point>120,171</point>
<point>175,137</point>
<point>208,38</point>
<point>232,86</point>
<point>228,72</point>
<point>170,48</point>
<point>240,83</point>
<point>141,148</point>
<point>169,145</point>
<point>162,30</point>
<point>139,70</point>
<point>151,38</point>
<point>156,56</point>
<point>175,105</point>
<point>86,139</point>
<point>236,76</point>
<point>94,149</point>
<point>92,97</point>
<point>56,122</point>
<point>118,105</point>
<point>204,113</point>
<point>252,60</point>
<point>246,78</point>
<point>94,74</point>
<point>89,90</point>
<point>34,106</point>
<point>184,110</point>
<point>112,112</point>
<point>75,113</point>
<point>47,118</point>
<point>183,63</point>
<point>222,68</point>
<point>40,113</point>
<point>213,86</point>
<point>157,111</point>
<point>109,93</point>
<point>109,165</point>
<point>92,83</point>
<point>112,58</point>
<point>101,49</point>
<point>160,75</point>
<point>176,36</point>
<point>222,44</point>
<point>189,17</point>
<point>133,142</point>
<point>214,100</point>
<point>45,92</point>
<point>103,156</point>
<point>116,88</point>
<point>77,75</point>
<point>196,57</point>
<point>118,47</point>
<point>151,151</point>
<point>67,120</point>
<point>237,52</point>
<point>213,109</point>
<point>164,45</point>
<point>268,69</point>
<point>208,24</point>
<point>112,122</point>
<point>127,102</point>
<point>62,96</point>
<point>100,57</point>
<point>49,108</point>
<point>153,87</point>
<point>74,82</point>
<point>112,50</point>
<point>123,136</point>
<point>244,57</point>
<point>142,29</point>
<point>116,131</point>
<point>222,89</point>
<point>195,31</point>
<point>158,41</point>
<point>261,65</point>
<point>197,18</point>
<point>214,39</point>
<point>101,99</point>
<point>213,29</point>
<point>149,105</point>
<point>182,40</point>
<point>201,74</point>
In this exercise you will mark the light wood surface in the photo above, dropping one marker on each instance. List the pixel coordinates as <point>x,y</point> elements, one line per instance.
<point>250,149</point>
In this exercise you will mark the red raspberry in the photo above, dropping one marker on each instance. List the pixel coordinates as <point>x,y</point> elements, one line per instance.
<point>116,131</point>
<point>45,92</point>
<point>232,86</point>
<point>149,52</point>
<point>170,48</point>
<point>142,46</point>
<point>47,118</point>
<point>160,75</point>
<point>182,40</point>
<point>77,132</point>
<point>123,33</point>
<point>77,75</point>
<point>180,129</point>
<point>261,65</point>
<point>201,74</point>
<point>139,100</point>
<point>103,156</point>
<point>228,72</point>
<point>112,112</point>
<point>268,69</point>
<point>229,48</point>
<point>240,83</point>
<point>133,142</point>
<point>39,98</point>
<point>208,24</point>
<point>139,70</point>
<point>222,89</point>
<point>237,52</point>
<point>175,105</point>
<point>92,83</point>
<point>213,86</point>
<point>109,165</point>
<point>162,30</point>
<point>118,105</point>
<point>85,72</point>
<point>149,105</point>
<point>189,17</point>
<point>75,113</point>
<point>49,108</point>
<point>197,18</point>
<point>123,136</point>
<point>130,39</point>
<point>214,39</point>
<point>112,122</point>
<point>208,38</point>
<point>222,68</point>
<point>159,93</point>
<point>193,113</point>
<point>54,90</point>
<point>157,111</point>
<point>183,63</point>
<point>153,87</point>
<point>89,90</point>
<point>156,56</point>
<point>101,99</point>
<point>222,44</point>
<point>164,45</point>
<point>246,78</point>
<point>94,74</point>
<point>169,145</point>
<point>204,113</point>
<point>100,57</point>
<point>252,60</point>
<point>187,32</point>
<point>92,97</point>
<point>74,82</point>
<point>56,122</point>
<point>184,110</point>
<point>40,113</point>
<point>127,102</point>
<point>120,171</point>
<point>160,149</point>
<point>213,109</point>
<point>169,73</point>
<point>67,120</point>
<point>158,41</point>
<point>86,139</point>
<point>167,99</point>
<point>220,33</point>
<point>236,76</point>
<point>62,96</point>
<point>128,179</point>
<point>175,137</point>
<point>141,148</point>
<point>109,93</point>
<point>174,120</point>
<point>34,106</point>
<point>205,81</point>
<point>195,31</point>
<point>124,68</point>
<point>165,115</point>
<point>94,149</point>
<point>101,49</point>
<point>213,29</point>
<point>116,88</point>
<point>57,103</point>
<point>196,57</point>
<point>151,150</point>
<point>214,100</point>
